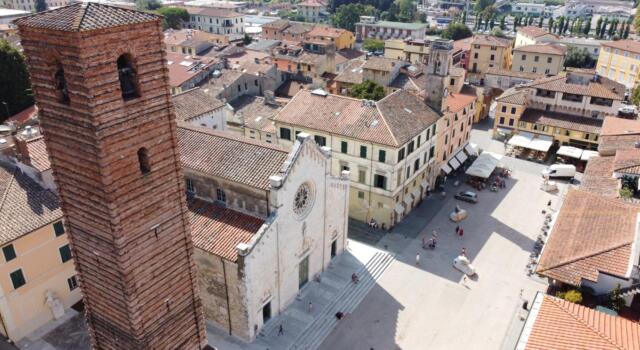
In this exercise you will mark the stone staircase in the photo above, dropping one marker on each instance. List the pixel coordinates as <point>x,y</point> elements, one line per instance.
<point>346,301</point>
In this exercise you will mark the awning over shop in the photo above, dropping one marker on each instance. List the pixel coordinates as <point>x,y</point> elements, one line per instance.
<point>484,165</point>
<point>471,149</point>
<point>446,168</point>
<point>408,200</point>
<point>416,193</point>
<point>569,151</point>
<point>399,208</point>
<point>424,185</point>
<point>454,163</point>
<point>461,157</point>
<point>503,131</point>
<point>588,154</point>
<point>522,139</point>
<point>541,143</point>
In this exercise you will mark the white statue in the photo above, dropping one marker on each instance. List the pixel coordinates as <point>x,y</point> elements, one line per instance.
<point>57,309</point>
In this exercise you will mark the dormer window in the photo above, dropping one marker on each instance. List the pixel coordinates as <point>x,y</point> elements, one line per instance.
<point>62,90</point>
<point>128,78</point>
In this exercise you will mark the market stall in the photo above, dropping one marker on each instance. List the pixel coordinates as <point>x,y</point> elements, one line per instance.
<point>484,165</point>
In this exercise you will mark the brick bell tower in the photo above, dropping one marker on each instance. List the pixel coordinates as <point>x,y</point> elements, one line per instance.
<point>101,83</point>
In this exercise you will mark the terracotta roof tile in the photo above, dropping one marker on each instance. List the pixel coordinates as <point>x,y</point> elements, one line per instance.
<point>534,32</point>
<point>614,126</point>
<point>627,161</point>
<point>20,118</point>
<point>598,177</point>
<point>544,48</point>
<point>85,16</point>
<point>456,102</point>
<point>326,31</point>
<point>513,96</point>
<point>218,230</point>
<point>38,154</point>
<point>382,64</point>
<point>181,67</point>
<point>279,24</point>
<point>352,73</point>
<point>510,73</point>
<point>627,45</point>
<point>482,39</point>
<point>592,234</point>
<point>234,158</point>
<point>24,205</point>
<point>194,103</point>
<point>255,113</point>
<point>562,325</point>
<point>604,88</point>
<point>212,12</point>
<point>561,120</point>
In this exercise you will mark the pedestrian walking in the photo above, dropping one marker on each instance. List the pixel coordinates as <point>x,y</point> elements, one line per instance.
<point>461,232</point>
<point>434,234</point>
<point>549,203</point>
<point>418,259</point>
<point>280,330</point>
<point>463,252</point>
<point>464,280</point>
<point>310,307</point>
<point>457,229</point>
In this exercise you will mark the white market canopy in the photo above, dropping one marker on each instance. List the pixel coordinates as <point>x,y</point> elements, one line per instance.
<point>522,139</point>
<point>454,163</point>
<point>471,148</point>
<point>446,168</point>
<point>461,157</point>
<point>484,165</point>
<point>570,151</point>
<point>541,143</point>
<point>586,155</point>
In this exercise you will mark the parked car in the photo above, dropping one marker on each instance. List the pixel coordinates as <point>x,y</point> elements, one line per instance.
<point>567,171</point>
<point>464,265</point>
<point>467,196</point>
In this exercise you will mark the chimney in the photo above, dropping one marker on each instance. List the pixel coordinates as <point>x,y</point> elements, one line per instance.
<point>22,149</point>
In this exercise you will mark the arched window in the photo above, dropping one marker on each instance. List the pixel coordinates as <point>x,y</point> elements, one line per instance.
<point>62,90</point>
<point>143,159</point>
<point>128,78</point>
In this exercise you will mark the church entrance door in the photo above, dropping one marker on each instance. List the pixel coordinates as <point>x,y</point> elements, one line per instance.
<point>303,272</point>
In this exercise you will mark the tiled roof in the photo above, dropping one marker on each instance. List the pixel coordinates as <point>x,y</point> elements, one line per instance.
<point>298,28</point>
<point>456,101</point>
<point>598,177</point>
<point>279,24</point>
<point>627,161</point>
<point>212,12</point>
<point>562,325</point>
<point>534,32</point>
<point>352,73</point>
<point>462,44</point>
<point>397,118</point>
<point>513,96</point>
<point>544,48</point>
<point>561,120</point>
<point>85,16</point>
<point>382,63</point>
<point>218,230</point>
<point>326,31</point>
<point>510,73</point>
<point>592,234</point>
<point>396,25</point>
<point>255,113</point>
<point>313,3</point>
<point>24,116</point>
<point>614,126</point>
<point>24,205</point>
<point>181,67</point>
<point>193,103</point>
<point>233,158</point>
<point>627,45</point>
<point>38,154</point>
<point>604,88</point>
<point>482,39</point>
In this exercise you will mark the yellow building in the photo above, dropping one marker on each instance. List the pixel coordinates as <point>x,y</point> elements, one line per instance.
<point>619,61</point>
<point>532,35</point>
<point>410,50</point>
<point>539,58</point>
<point>340,38</point>
<point>37,277</point>
<point>192,41</point>
<point>487,52</point>
<point>387,146</point>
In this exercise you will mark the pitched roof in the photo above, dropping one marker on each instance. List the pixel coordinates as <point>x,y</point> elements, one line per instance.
<point>352,73</point>
<point>482,39</point>
<point>218,230</point>
<point>543,48</point>
<point>556,324</point>
<point>383,64</point>
<point>313,3</point>
<point>592,234</point>
<point>212,12</point>
<point>618,133</point>
<point>23,116</point>
<point>604,87</point>
<point>182,67</point>
<point>598,177</point>
<point>279,24</point>
<point>627,45</point>
<point>38,154</point>
<point>561,120</point>
<point>393,121</point>
<point>627,161</point>
<point>456,101</point>
<point>85,16</point>
<point>534,32</point>
<point>194,103</point>
<point>513,96</point>
<point>233,158</point>
<point>396,25</point>
<point>510,73</point>
<point>327,31</point>
<point>24,205</point>
<point>255,112</point>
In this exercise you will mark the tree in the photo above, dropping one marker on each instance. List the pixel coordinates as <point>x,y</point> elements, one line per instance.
<point>604,28</point>
<point>598,27</point>
<point>560,24</point>
<point>566,26</point>
<point>173,17</point>
<point>456,31</point>
<point>406,10</point>
<point>482,4</point>
<point>492,23</point>
<point>145,5</point>
<point>621,30</point>
<point>516,22</point>
<point>347,16</point>
<point>625,35</point>
<point>503,26</point>
<point>612,28</point>
<point>247,39</point>
<point>550,24</point>
<point>579,58</point>
<point>41,5</point>
<point>367,90</point>
<point>616,302</point>
<point>464,17</point>
<point>573,296</point>
<point>530,22</point>
<point>498,32</point>
<point>373,45</point>
<point>540,22</point>
<point>587,27</point>
<point>15,88</point>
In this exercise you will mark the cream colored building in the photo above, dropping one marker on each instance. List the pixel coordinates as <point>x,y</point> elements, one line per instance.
<point>620,61</point>
<point>389,147</point>
<point>487,52</point>
<point>544,58</point>
<point>38,280</point>
<point>410,50</point>
<point>531,35</point>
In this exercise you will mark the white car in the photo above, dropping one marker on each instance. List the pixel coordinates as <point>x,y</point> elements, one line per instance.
<point>464,265</point>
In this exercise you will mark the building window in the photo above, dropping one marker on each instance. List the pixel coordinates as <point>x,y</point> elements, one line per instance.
<point>492,58</point>
<point>17,279</point>
<point>220,195</point>
<point>363,151</point>
<point>362,175</point>
<point>143,161</point>
<point>320,140</point>
<point>285,134</point>
<point>401,154</point>
<point>382,155</point>
<point>62,89</point>
<point>360,194</point>
<point>549,59</point>
<point>418,141</point>
<point>65,253</point>
<point>432,151</point>
<point>190,187</point>
<point>524,57</point>
<point>511,121</point>
<point>534,70</point>
<point>504,109</point>
<point>410,147</point>
<point>343,146</point>
<point>58,228</point>
<point>380,181</point>
<point>408,172</point>
<point>127,76</point>
<point>501,120</point>
<point>513,110</point>
<point>416,165</point>
<point>72,282</point>
<point>9,252</point>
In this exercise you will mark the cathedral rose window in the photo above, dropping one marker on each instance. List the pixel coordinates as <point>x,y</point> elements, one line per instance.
<point>303,200</point>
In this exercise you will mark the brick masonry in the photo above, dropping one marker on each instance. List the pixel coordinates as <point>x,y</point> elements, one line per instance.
<point>129,231</point>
